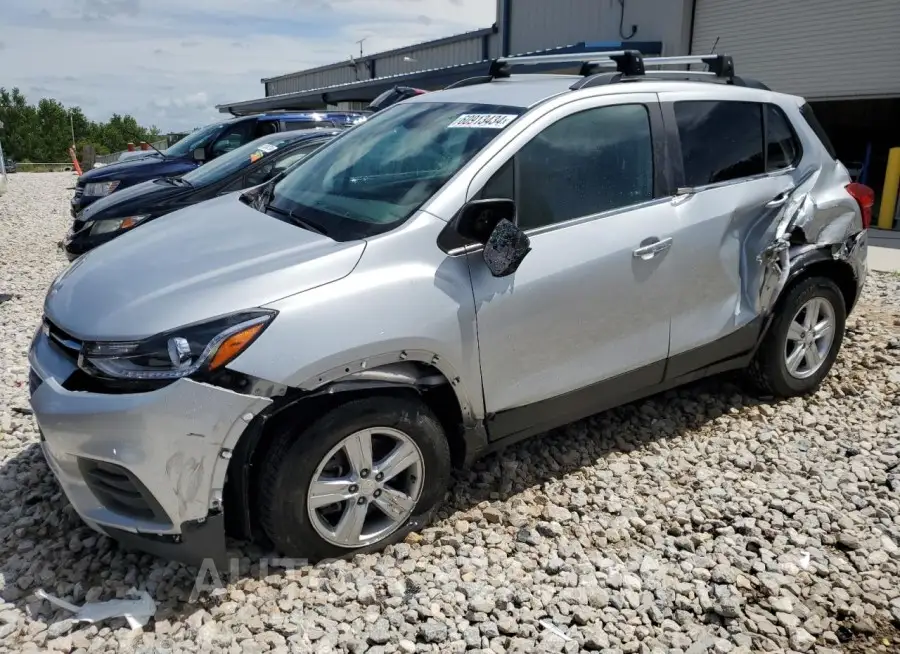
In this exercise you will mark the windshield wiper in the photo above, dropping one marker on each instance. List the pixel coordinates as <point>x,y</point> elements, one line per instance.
<point>297,220</point>
<point>175,181</point>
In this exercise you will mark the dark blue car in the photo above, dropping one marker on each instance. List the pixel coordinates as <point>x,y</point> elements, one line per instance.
<point>252,164</point>
<point>197,148</point>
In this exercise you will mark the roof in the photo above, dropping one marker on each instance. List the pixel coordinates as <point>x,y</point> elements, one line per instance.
<point>515,91</point>
<point>308,115</point>
<point>528,90</point>
<point>299,135</point>
<point>431,79</point>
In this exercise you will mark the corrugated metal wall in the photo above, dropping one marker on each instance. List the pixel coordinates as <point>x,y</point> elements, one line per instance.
<point>449,54</point>
<point>428,56</point>
<point>819,49</point>
<point>338,74</point>
<point>541,24</point>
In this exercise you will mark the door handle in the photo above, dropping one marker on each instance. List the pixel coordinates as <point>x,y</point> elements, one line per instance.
<point>780,199</point>
<point>647,252</point>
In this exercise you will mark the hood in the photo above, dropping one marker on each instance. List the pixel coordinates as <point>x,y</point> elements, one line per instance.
<point>142,168</point>
<point>198,263</point>
<point>145,197</point>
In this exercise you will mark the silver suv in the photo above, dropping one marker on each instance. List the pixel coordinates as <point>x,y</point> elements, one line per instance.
<point>306,361</point>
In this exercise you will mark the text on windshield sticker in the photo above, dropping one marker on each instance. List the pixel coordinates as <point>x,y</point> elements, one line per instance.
<point>483,121</point>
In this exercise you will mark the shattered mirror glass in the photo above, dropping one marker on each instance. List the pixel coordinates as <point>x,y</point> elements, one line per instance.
<point>505,249</point>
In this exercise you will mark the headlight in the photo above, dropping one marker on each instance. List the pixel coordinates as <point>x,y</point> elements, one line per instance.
<point>116,224</point>
<point>99,189</point>
<point>201,347</point>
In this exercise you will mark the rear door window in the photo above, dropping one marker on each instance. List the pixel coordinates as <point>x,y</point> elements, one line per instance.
<point>234,137</point>
<point>266,127</point>
<point>782,146</point>
<point>720,140</point>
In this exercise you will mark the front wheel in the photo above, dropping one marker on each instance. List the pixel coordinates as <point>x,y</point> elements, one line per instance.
<point>803,340</point>
<point>354,479</point>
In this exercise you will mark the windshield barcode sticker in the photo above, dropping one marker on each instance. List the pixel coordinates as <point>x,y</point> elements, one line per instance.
<point>484,121</point>
<point>267,147</point>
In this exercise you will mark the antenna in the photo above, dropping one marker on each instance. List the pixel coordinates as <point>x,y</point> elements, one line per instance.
<point>714,45</point>
<point>360,42</point>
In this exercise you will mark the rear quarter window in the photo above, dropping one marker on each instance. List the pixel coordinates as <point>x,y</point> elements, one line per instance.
<point>810,116</point>
<point>782,147</point>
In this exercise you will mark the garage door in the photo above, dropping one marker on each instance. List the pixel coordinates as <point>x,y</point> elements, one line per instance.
<point>820,49</point>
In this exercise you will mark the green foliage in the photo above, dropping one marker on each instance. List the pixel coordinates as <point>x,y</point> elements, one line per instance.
<point>44,132</point>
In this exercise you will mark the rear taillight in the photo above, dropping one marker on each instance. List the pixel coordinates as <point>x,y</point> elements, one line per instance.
<point>865,198</point>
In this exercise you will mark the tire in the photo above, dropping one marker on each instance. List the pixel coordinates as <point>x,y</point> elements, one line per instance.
<point>769,370</point>
<point>297,457</point>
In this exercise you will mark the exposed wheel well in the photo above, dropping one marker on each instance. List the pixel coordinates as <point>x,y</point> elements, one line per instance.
<point>303,408</point>
<point>840,272</point>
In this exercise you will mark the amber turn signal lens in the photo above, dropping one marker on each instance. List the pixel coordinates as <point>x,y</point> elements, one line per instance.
<point>234,345</point>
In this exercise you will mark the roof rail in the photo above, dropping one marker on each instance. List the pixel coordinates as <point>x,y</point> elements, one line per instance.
<point>719,65</point>
<point>627,62</point>
<point>630,66</point>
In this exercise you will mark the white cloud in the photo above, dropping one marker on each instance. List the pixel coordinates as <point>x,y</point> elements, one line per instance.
<point>169,62</point>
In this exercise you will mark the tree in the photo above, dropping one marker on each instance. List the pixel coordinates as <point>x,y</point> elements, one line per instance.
<point>43,133</point>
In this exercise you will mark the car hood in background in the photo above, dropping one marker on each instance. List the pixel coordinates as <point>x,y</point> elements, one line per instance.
<point>198,263</point>
<point>143,168</point>
<point>132,200</point>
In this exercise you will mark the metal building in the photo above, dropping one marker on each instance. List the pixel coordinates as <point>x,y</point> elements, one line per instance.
<point>652,26</point>
<point>821,49</point>
<point>842,56</point>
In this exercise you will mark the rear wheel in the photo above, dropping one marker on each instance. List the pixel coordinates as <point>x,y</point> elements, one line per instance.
<point>803,340</point>
<point>358,478</point>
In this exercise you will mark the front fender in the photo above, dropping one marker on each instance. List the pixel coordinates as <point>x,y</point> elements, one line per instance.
<point>405,301</point>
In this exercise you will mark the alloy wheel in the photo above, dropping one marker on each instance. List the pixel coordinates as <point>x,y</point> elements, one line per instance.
<point>366,487</point>
<point>809,338</point>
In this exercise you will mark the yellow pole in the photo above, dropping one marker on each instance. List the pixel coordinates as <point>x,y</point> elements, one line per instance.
<point>890,190</point>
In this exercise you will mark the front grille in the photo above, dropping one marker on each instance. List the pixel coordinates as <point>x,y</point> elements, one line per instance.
<point>120,491</point>
<point>65,343</point>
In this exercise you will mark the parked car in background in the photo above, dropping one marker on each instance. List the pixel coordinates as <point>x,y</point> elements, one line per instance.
<point>197,148</point>
<point>10,165</point>
<point>249,165</point>
<point>394,95</point>
<point>306,360</point>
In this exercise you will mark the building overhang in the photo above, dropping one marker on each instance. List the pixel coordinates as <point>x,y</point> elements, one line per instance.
<point>429,80</point>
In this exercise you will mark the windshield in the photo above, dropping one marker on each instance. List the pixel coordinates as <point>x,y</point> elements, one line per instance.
<point>238,159</point>
<point>379,173</point>
<point>194,140</point>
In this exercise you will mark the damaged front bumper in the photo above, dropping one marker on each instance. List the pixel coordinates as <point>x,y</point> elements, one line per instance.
<point>148,469</point>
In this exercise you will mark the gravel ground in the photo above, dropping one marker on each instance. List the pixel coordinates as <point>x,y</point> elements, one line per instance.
<point>703,520</point>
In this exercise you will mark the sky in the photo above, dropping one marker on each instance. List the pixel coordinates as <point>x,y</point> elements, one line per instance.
<point>169,62</point>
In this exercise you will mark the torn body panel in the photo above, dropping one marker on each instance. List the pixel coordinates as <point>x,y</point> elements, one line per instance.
<point>818,217</point>
<point>140,462</point>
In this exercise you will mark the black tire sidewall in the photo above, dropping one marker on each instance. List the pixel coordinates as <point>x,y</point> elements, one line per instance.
<point>782,380</point>
<point>289,469</point>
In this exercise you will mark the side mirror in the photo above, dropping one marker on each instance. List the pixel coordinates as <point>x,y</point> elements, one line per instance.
<point>492,224</point>
<point>199,155</point>
<point>506,248</point>
<point>478,218</point>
